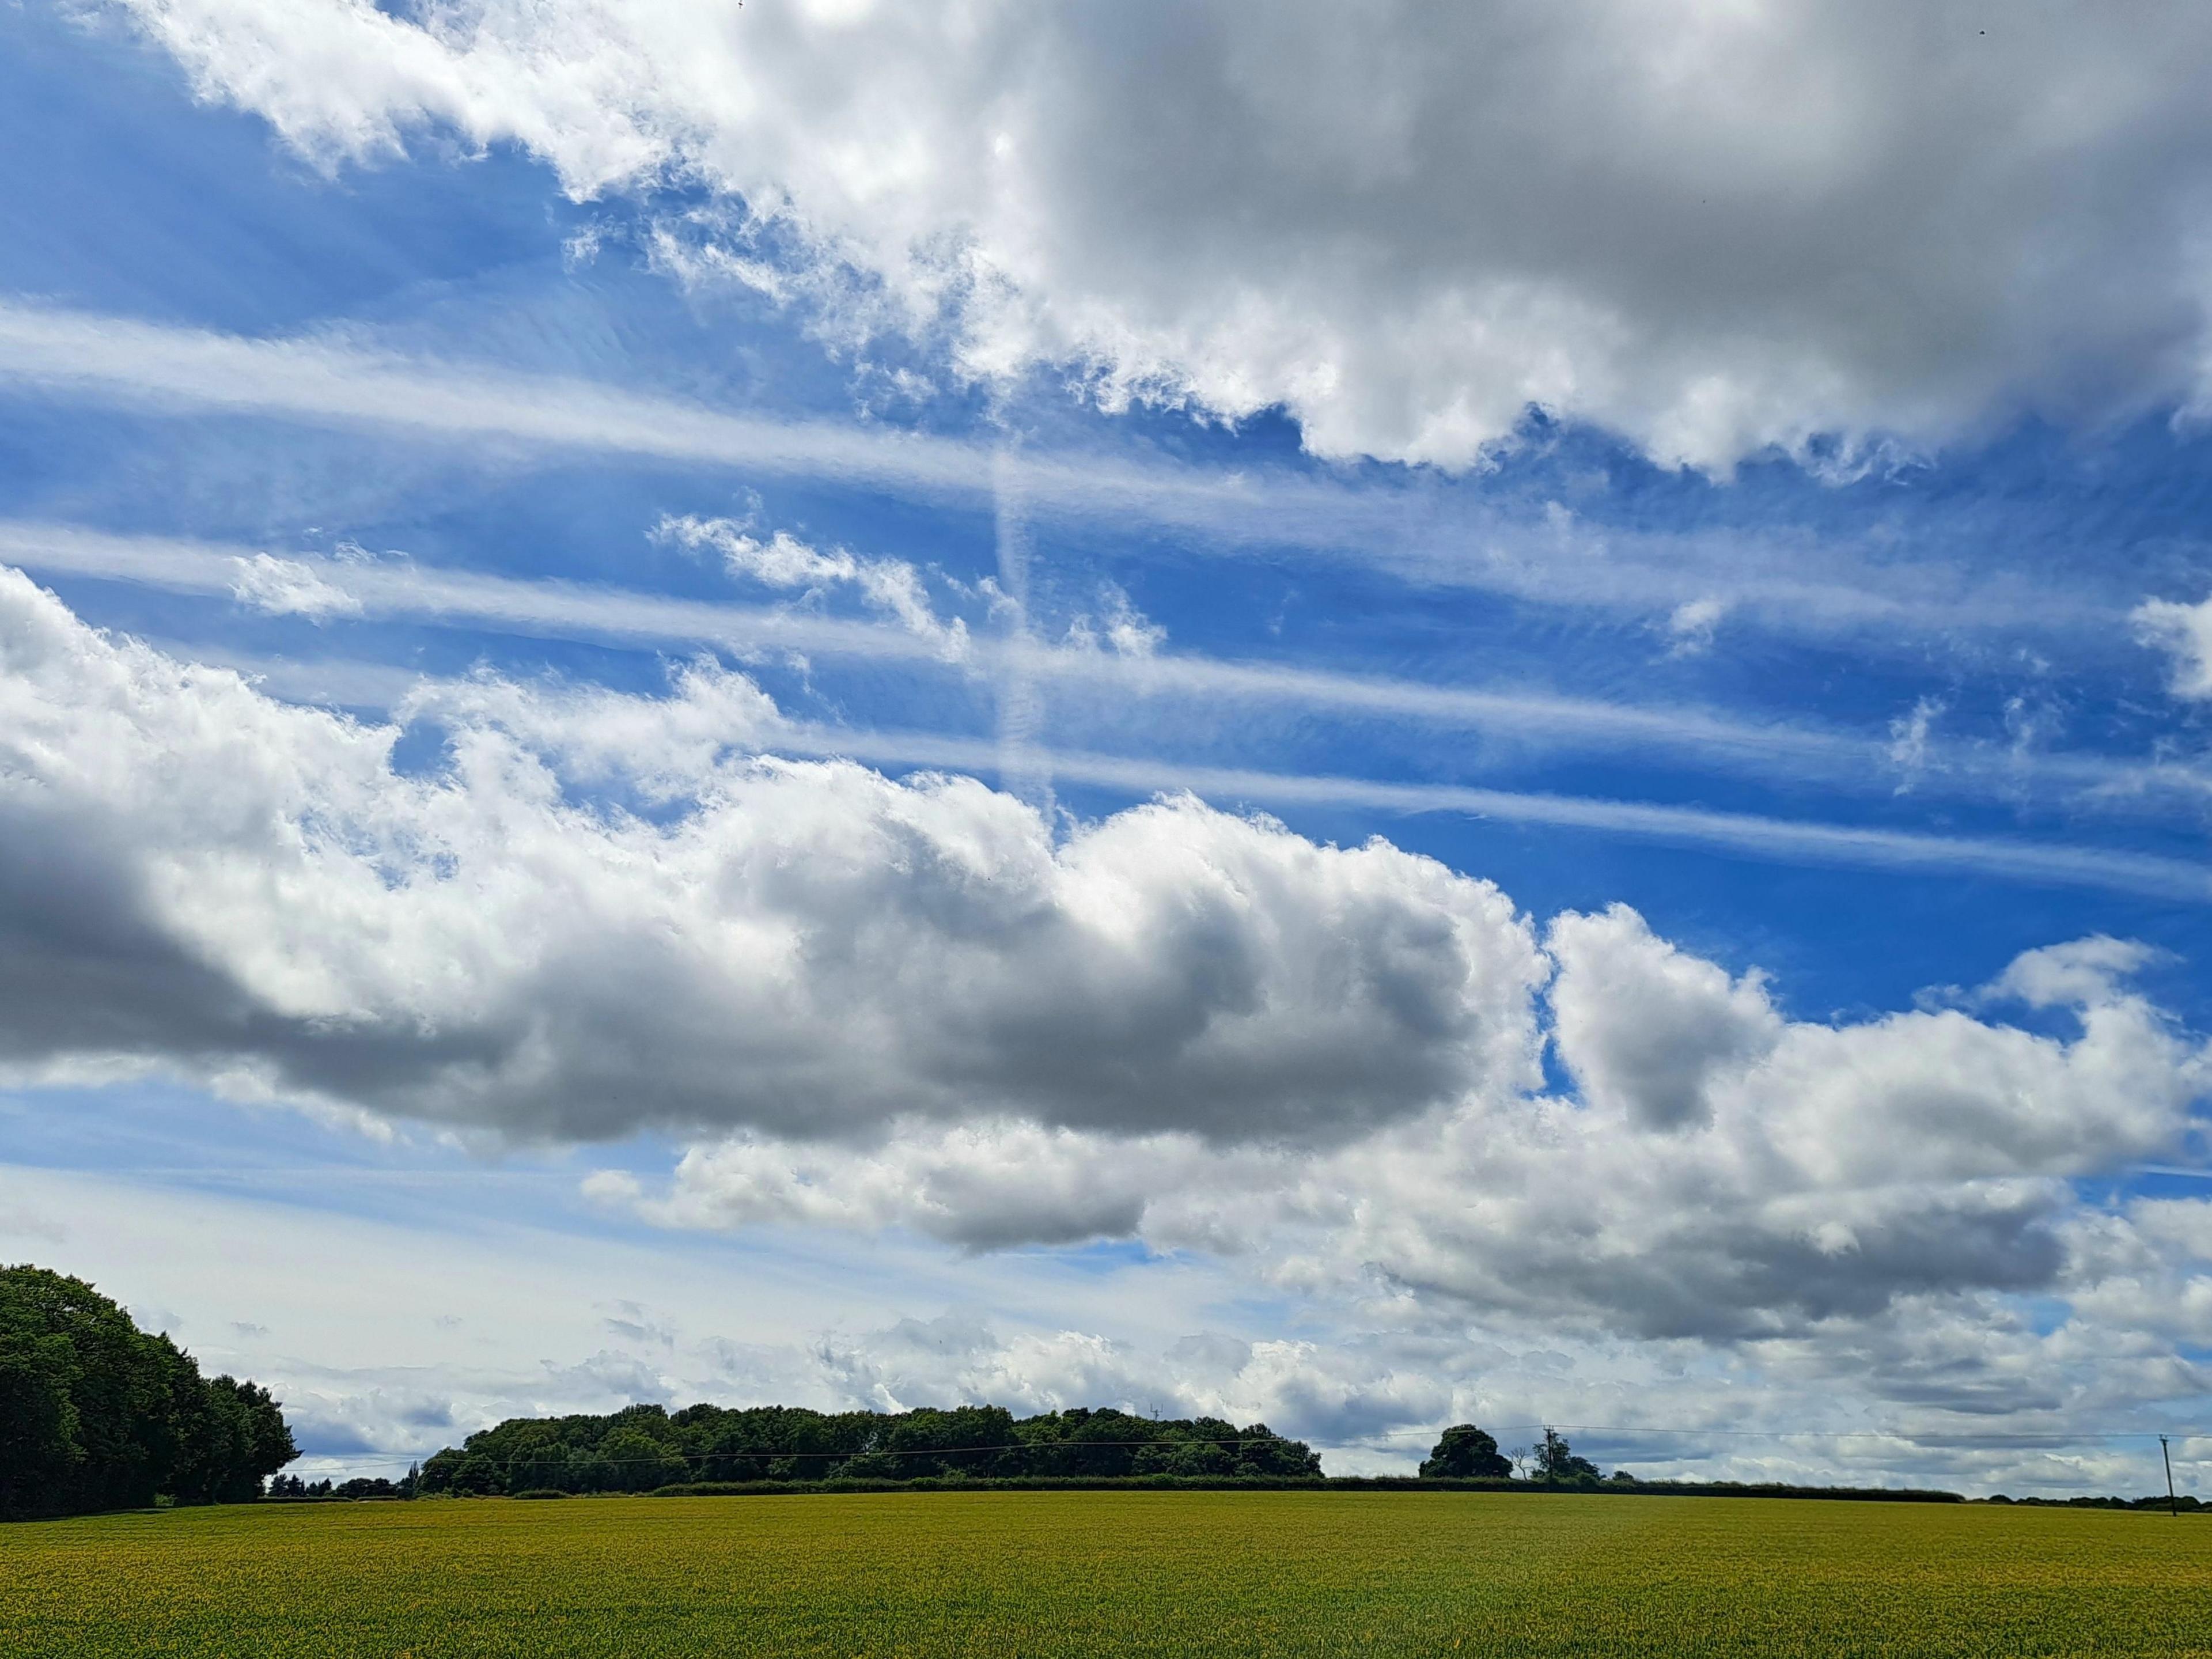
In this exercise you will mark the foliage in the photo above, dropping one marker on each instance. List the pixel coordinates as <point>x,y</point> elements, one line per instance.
<point>646,1447</point>
<point>1426,1571</point>
<point>291,1486</point>
<point>1465,1453</point>
<point>1556,1462</point>
<point>96,1414</point>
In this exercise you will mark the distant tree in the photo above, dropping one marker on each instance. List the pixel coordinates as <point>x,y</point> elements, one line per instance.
<point>1465,1453</point>
<point>1556,1461</point>
<point>366,1486</point>
<point>644,1446</point>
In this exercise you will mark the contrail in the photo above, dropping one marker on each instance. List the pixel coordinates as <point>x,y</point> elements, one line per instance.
<point>1024,768</point>
<point>1410,529</point>
<point>1021,665</point>
<point>1784,839</point>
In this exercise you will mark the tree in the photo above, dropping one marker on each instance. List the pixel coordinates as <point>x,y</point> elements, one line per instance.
<point>1556,1461</point>
<point>644,1446</point>
<point>638,1461</point>
<point>96,1414</point>
<point>41,1451</point>
<point>1465,1453</point>
<point>260,1441</point>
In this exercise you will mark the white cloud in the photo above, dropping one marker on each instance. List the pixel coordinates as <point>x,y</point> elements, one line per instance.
<point>1132,675</point>
<point>1727,1173</point>
<point>1711,230</point>
<point>2183,632</point>
<point>1909,742</point>
<point>2082,974</point>
<point>202,876</point>
<point>891,588</point>
<point>287,588</point>
<point>1646,1029</point>
<point>588,735</point>
<point>881,1006</point>
<point>1120,627</point>
<point>835,1321</point>
<point>1692,626</point>
<point>568,611</point>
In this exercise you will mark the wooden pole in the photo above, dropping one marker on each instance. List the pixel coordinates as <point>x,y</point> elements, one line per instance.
<point>2172,1502</point>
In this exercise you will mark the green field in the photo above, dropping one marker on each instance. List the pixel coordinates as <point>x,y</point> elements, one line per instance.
<point>1004,1574</point>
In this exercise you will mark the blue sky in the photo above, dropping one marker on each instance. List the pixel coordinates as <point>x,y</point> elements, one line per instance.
<point>1819,681</point>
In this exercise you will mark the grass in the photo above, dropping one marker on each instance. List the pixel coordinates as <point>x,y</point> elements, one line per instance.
<point>1009,1574</point>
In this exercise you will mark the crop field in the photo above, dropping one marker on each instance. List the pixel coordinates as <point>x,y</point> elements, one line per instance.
<point>1006,1574</point>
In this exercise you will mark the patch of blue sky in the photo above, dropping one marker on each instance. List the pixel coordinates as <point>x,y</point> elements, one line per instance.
<point>2044,1314</point>
<point>1101,1257</point>
<point>169,1135</point>
<point>144,201</point>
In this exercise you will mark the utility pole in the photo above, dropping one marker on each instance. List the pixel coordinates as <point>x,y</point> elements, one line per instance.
<point>2172,1502</point>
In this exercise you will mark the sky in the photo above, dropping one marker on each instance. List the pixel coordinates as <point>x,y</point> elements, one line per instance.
<point>1358,717</point>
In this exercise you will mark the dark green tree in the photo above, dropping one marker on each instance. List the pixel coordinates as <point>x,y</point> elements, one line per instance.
<point>41,1450</point>
<point>644,1446</point>
<point>96,1414</point>
<point>1556,1461</point>
<point>1465,1452</point>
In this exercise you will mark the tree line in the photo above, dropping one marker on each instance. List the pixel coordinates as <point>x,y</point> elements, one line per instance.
<point>96,1414</point>
<point>361,1485</point>
<point>643,1448</point>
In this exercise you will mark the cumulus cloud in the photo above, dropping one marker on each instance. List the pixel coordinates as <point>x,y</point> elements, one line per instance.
<point>1799,1172</point>
<point>586,735</point>
<point>201,875</point>
<point>978,1185</point>
<point>1726,1173</point>
<point>872,1005</point>
<point>1712,229</point>
<point>1644,1028</point>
